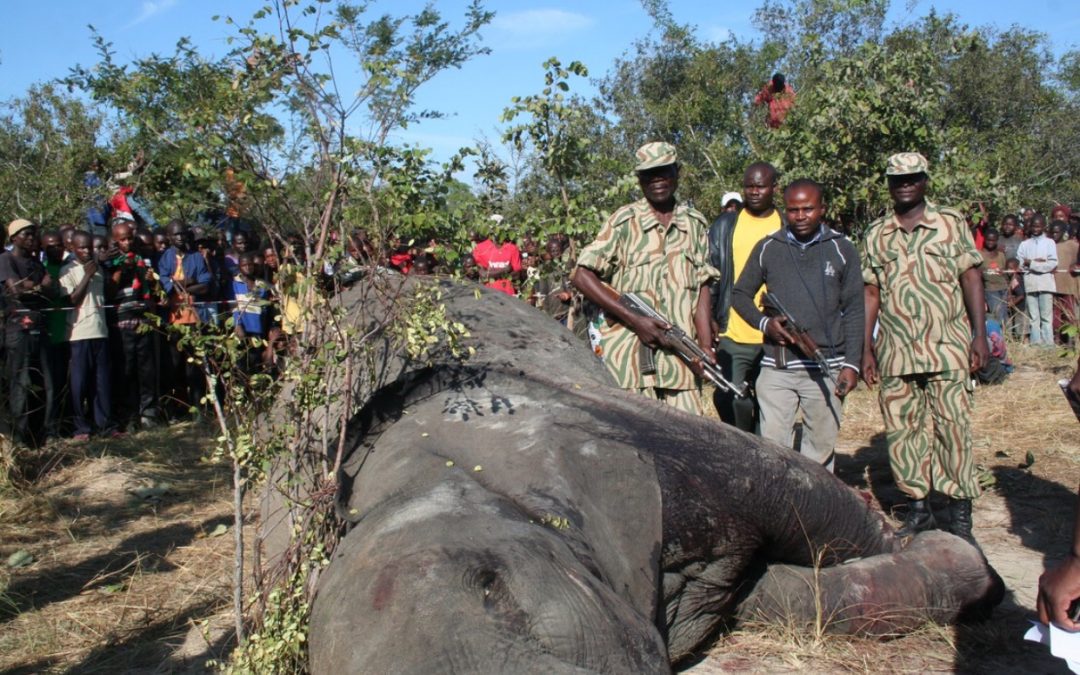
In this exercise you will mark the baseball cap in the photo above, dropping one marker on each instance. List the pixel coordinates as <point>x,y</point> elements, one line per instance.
<point>18,225</point>
<point>728,196</point>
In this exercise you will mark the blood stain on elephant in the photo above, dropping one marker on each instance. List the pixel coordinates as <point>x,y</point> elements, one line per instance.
<point>384,588</point>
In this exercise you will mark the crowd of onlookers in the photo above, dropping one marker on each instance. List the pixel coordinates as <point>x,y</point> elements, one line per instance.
<point>85,343</point>
<point>1031,277</point>
<point>88,353</point>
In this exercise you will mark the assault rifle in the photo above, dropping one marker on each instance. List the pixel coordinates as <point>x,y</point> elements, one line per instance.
<point>802,340</point>
<point>680,343</point>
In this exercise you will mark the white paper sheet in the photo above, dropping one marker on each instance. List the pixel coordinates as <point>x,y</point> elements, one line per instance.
<point>1062,643</point>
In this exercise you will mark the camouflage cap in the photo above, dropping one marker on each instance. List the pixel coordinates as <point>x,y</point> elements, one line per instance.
<point>906,163</point>
<point>652,155</point>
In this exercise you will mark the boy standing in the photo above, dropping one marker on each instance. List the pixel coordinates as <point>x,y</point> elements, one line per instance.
<point>814,272</point>
<point>995,279</point>
<point>83,281</point>
<point>249,317</point>
<point>1017,327</point>
<point>185,279</point>
<point>131,285</point>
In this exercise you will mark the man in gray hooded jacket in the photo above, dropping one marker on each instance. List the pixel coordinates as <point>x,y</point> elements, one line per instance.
<point>814,272</point>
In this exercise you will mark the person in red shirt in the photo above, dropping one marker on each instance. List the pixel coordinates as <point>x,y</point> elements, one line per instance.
<point>779,95</point>
<point>978,227</point>
<point>498,260</point>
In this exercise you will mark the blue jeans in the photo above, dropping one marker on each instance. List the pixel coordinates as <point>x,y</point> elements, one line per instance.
<point>1040,309</point>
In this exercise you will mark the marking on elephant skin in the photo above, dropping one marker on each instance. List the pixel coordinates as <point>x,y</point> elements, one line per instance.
<point>465,407</point>
<point>589,449</point>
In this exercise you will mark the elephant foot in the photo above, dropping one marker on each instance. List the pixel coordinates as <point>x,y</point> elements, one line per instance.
<point>938,577</point>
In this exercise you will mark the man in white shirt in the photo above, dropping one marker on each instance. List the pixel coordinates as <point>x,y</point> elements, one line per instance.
<point>1038,260</point>
<point>83,281</point>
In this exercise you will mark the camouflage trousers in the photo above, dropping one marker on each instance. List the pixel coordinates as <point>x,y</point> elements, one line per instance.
<point>928,432</point>
<point>687,400</point>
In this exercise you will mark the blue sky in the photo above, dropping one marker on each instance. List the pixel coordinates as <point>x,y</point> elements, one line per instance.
<point>44,38</point>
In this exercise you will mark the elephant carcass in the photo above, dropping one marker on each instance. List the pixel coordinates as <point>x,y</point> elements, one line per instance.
<point>516,512</point>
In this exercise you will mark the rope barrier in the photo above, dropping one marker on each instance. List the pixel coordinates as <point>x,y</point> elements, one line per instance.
<point>201,303</point>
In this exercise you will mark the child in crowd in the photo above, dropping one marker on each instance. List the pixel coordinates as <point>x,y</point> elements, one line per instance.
<point>132,285</point>
<point>1017,324</point>
<point>995,279</point>
<point>56,323</point>
<point>250,316</point>
<point>469,270</point>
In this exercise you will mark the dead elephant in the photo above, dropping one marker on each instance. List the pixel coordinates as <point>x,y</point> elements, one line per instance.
<point>518,513</point>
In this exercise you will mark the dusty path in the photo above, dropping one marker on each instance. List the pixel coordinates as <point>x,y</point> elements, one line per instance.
<point>128,557</point>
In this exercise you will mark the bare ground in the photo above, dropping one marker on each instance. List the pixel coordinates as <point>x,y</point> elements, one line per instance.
<point>131,571</point>
<point>128,558</point>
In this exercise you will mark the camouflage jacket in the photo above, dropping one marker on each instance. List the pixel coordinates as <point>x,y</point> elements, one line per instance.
<point>923,324</point>
<point>633,253</point>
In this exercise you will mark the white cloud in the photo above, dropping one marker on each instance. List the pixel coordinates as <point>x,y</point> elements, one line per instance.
<point>149,9</point>
<point>537,27</point>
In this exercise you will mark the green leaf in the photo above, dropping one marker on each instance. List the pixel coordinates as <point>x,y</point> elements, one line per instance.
<point>219,530</point>
<point>20,558</point>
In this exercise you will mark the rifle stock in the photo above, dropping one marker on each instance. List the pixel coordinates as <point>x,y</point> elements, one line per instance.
<point>802,340</point>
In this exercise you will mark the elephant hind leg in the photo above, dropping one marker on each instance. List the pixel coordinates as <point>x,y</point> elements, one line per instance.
<point>938,577</point>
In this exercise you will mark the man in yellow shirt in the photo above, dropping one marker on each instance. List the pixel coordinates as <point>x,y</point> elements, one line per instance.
<point>731,239</point>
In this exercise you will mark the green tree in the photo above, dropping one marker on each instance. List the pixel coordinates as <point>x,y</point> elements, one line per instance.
<point>572,175</point>
<point>316,157</point>
<point>47,141</point>
<point>187,116</point>
<point>697,95</point>
<point>859,109</point>
<point>987,108</point>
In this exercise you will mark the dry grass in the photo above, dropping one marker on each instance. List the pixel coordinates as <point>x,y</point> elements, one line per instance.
<point>116,577</point>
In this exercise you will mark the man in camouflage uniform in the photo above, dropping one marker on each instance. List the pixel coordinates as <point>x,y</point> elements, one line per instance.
<point>921,269</point>
<point>656,248</point>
